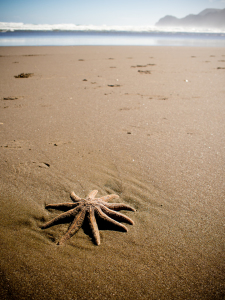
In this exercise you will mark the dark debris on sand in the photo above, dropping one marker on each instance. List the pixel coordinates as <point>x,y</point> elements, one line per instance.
<point>24,75</point>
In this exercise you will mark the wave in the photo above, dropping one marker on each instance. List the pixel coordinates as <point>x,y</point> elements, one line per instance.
<point>9,26</point>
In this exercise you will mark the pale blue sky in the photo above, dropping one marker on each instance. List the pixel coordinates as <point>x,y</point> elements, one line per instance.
<point>100,12</point>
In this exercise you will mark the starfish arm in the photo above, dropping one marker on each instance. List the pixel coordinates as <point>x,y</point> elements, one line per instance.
<point>93,225</point>
<point>116,215</point>
<point>61,206</point>
<point>74,197</point>
<point>74,227</point>
<point>103,216</point>
<point>119,206</point>
<point>108,197</point>
<point>92,194</point>
<point>61,218</point>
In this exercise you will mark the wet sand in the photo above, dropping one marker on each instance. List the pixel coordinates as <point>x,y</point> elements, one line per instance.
<point>145,123</point>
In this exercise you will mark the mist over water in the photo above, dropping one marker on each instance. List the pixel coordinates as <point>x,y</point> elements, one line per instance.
<point>114,38</point>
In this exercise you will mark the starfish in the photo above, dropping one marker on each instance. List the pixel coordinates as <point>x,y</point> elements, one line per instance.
<point>89,207</point>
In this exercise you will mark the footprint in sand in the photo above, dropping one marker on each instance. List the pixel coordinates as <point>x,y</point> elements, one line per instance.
<point>163,98</point>
<point>59,143</point>
<point>125,108</point>
<point>144,72</point>
<point>42,165</point>
<point>17,145</point>
<point>10,98</point>
<point>114,85</point>
<point>142,66</point>
<point>33,55</point>
<point>30,167</point>
<point>158,98</point>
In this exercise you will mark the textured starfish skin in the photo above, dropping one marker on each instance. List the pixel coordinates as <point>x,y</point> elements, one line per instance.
<point>89,207</point>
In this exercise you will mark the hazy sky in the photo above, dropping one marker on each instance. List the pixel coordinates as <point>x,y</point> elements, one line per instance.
<point>100,12</point>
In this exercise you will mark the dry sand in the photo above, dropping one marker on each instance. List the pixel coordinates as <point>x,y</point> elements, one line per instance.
<point>90,118</point>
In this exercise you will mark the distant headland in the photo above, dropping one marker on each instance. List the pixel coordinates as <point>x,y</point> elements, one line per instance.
<point>208,18</point>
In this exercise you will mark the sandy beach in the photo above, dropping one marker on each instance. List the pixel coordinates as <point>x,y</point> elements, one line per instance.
<point>145,123</point>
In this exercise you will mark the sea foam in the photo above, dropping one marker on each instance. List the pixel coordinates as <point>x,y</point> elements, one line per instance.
<point>7,26</point>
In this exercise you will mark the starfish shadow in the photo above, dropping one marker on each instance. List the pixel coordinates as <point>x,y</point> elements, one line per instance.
<point>102,225</point>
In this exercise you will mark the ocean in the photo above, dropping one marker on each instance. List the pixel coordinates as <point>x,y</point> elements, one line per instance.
<point>19,34</point>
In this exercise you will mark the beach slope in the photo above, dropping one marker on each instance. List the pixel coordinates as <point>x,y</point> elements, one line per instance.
<point>145,123</point>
